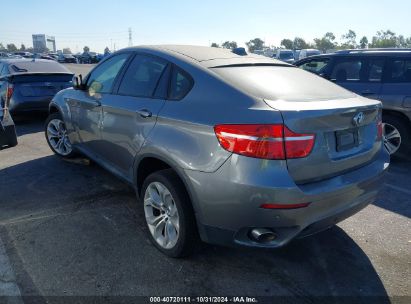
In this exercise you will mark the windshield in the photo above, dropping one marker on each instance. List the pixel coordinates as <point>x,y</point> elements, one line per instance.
<point>282,83</point>
<point>286,55</point>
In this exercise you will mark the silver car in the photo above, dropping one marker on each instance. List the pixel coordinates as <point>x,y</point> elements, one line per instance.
<point>230,149</point>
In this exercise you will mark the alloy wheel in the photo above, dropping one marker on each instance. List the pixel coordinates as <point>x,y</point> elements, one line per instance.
<point>57,137</point>
<point>161,215</point>
<point>391,137</point>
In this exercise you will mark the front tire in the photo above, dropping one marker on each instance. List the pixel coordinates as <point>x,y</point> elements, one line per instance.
<point>56,136</point>
<point>169,214</point>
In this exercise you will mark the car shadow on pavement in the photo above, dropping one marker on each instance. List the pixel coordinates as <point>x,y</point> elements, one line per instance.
<point>72,229</point>
<point>29,124</point>
<point>397,190</point>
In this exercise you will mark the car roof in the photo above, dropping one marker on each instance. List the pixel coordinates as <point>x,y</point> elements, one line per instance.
<point>368,52</point>
<point>207,56</point>
<point>22,65</point>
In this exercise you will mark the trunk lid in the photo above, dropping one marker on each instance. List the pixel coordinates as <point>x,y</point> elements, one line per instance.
<point>346,135</point>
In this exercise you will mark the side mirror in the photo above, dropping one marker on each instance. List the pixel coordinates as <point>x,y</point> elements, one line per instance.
<point>75,82</point>
<point>78,82</point>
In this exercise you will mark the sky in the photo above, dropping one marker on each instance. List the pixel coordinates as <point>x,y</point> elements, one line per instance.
<point>101,23</point>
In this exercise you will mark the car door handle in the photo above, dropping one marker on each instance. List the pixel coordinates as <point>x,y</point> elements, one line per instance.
<point>144,113</point>
<point>91,103</point>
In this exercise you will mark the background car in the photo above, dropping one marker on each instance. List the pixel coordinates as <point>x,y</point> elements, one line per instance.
<point>223,146</point>
<point>24,54</point>
<point>89,57</point>
<point>285,55</point>
<point>30,84</point>
<point>384,75</point>
<point>304,53</point>
<point>297,54</point>
<point>66,58</point>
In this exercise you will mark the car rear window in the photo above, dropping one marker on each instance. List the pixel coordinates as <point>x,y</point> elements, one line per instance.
<point>282,83</point>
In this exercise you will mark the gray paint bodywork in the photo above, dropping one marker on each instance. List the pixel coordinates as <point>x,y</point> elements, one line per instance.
<point>226,189</point>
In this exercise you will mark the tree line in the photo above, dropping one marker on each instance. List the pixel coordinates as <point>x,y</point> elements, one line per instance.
<point>382,39</point>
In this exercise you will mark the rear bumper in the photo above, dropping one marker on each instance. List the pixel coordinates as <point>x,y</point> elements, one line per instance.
<point>8,136</point>
<point>227,202</point>
<point>32,104</point>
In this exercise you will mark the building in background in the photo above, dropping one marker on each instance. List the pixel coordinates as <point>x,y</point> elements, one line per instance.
<point>43,42</point>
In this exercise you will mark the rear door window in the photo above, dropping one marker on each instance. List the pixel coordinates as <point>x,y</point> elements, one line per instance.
<point>375,70</point>
<point>348,69</point>
<point>399,70</point>
<point>142,76</point>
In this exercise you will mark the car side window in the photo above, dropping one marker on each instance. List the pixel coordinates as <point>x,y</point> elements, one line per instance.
<point>142,76</point>
<point>375,70</point>
<point>400,70</point>
<point>315,65</point>
<point>348,69</point>
<point>101,80</point>
<point>180,84</point>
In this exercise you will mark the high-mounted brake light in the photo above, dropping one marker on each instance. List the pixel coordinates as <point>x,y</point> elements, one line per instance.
<point>9,93</point>
<point>264,141</point>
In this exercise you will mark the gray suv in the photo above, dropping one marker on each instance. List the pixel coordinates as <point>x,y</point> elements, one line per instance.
<point>382,74</point>
<point>227,148</point>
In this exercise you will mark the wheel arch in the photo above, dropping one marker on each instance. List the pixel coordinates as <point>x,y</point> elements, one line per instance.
<point>149,163</point>
<point>53,108</point>
<point>389,112</point>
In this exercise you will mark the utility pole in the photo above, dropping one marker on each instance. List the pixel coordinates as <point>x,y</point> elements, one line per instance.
<point>130,37</point>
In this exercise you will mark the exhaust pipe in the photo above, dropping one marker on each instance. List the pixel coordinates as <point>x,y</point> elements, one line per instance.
<point>262,235</point>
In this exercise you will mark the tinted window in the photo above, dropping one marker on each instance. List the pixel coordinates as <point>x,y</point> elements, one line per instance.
<point>375,69</point>
<point>348,69</point>
<point>142,76</point>
<point>315,65</point>
<point>282,83</point>
<point>162,87</point>
<point>400,70</point>
<point>101,80</point>
<point>180,84</point>
<point>286,55</point>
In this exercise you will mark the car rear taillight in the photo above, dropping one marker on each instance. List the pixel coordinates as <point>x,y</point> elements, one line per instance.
<point>9,93</point>
<point>297,145</point>
<point>264,141</point>
<point>10,90</point>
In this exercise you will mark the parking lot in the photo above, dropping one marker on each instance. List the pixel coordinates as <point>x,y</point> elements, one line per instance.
<point>71,228</point>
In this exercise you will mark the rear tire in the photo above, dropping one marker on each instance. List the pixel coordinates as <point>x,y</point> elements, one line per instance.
<point>396,136</point>
<point>56,136</point>
<point>167,207</point>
